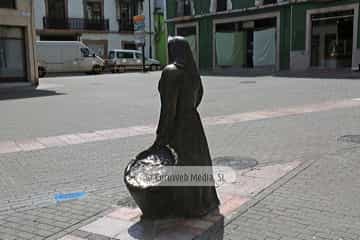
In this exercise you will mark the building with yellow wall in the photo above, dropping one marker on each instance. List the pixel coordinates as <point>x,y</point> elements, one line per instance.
<point>17,43</point>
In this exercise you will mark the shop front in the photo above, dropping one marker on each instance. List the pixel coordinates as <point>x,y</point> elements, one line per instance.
<point>332,39</point>
<point>325,36</point>
<point>249,42</point>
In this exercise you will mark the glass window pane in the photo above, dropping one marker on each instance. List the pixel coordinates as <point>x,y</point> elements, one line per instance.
<point>7,4</point>
<point>264,47</point>
<point>125,55</point>
<point>85,52</point>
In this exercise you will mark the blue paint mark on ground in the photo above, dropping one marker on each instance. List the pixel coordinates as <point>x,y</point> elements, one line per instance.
<point>69,196</point>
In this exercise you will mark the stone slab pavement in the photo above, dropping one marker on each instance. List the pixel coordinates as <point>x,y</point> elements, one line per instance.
<point>317,200</point>
<point>124,223</point>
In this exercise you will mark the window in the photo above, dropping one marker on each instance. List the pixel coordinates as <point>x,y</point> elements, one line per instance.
<point>221,5</point>
<point>7,4</point>
<point>269,2</point>
<point>126,11</point>
<point>56,9</point>
<point>127,55</point>
<point>94,10</point>
<point>138,55</point>
<point>185,7</point>
<point>246,44</point>
<point>85,52</point>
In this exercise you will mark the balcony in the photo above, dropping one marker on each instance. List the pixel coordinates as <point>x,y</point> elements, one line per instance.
<point>126,25</point>
<point>76,24</point>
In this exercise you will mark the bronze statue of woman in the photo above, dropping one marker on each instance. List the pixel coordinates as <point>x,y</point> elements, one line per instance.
<point>180,127</point>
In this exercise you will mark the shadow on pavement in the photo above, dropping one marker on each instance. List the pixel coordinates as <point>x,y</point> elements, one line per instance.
<point>106,72</point>
<point>8,94</point>
<point>211,227</point>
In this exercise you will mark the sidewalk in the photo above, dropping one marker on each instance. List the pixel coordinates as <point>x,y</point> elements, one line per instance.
<point>319,201</point>
<point>123,222</point>
<point>315,200</point>
<point>275,121</point>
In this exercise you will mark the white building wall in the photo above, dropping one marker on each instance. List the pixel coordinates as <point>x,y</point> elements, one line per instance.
<point>40,12</point>
<point>148,29</point>
<point>76,9</point>
<point>110,13</point>
<point>114,39</point>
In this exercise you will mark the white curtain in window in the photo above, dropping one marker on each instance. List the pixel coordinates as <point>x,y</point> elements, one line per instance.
<point>229,5</point>
<point>192,42</point>
<point>212,7</point>
<point>231,48</point>
<point>224,48</point>
<point>192,6</point>
<point>264,47</point>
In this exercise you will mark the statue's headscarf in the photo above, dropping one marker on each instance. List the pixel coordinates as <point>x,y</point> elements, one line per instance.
<point>181,55</point>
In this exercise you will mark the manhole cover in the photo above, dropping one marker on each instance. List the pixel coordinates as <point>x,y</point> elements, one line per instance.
<point>350,138</point>
<point>235,162</point>
<point>247,82</point>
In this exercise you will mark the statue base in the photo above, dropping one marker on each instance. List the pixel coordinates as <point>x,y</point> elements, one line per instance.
<point>210,227</point>
<point>125,224</point>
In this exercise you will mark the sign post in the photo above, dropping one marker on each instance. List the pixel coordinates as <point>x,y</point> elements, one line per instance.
<point>139,32</point>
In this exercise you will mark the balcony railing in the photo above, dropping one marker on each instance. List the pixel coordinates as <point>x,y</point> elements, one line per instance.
<point>76,24</point>
<point>126,25</point>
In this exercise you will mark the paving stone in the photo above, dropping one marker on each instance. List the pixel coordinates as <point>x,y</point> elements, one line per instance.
<point>125,213</point>
<point>109,227</point>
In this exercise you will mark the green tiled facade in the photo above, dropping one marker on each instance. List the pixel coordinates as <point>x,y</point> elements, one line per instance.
<point>293,24</point>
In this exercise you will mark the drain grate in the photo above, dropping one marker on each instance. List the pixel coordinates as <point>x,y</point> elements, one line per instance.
<point>247,82</point>
<point>350,139</point>
<point>235,162</point>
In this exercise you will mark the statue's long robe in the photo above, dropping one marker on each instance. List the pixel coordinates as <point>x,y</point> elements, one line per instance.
<point>180,127</point>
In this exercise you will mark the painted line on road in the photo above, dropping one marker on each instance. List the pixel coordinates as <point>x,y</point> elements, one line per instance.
<point>118,133</point>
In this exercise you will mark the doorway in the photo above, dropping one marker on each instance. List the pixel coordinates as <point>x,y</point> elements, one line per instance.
<point>332,39</point>
<point>12,54</point>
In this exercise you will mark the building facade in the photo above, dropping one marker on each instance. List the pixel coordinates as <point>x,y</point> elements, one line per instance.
<point>269,34</point>
<point>17,43</point>
<point>101,24</point>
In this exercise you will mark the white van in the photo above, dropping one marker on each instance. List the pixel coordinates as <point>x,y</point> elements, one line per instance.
<point>67,56</point>
<point>121,60</point>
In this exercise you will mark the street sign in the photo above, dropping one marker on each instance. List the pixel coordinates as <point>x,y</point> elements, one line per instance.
<point>139,29</point>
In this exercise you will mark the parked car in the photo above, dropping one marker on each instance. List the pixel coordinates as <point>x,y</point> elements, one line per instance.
<point>67,56</point>
<point>121,60</point>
